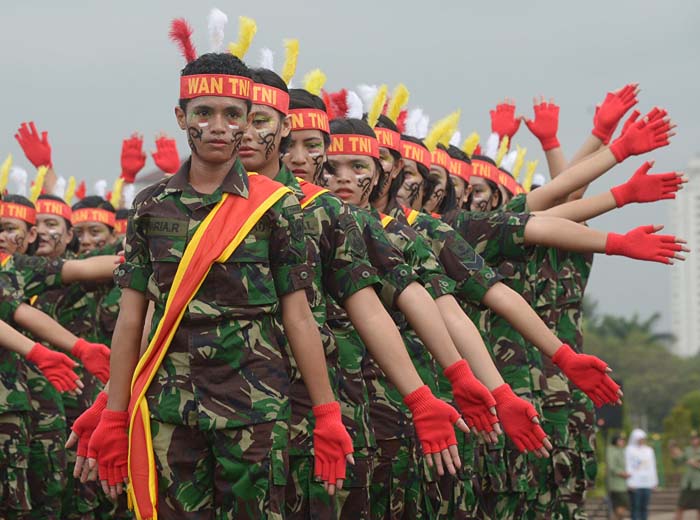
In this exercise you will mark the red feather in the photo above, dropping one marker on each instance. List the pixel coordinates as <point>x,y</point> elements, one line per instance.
<point>339,100</point>
<point>181,34</point>
<point>327,101</point>
<point>80,192</point>
<point>477,150</point>
<point>401,121</point>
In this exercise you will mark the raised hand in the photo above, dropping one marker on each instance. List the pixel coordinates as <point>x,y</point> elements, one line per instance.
<point>503,120</point>
<point>644,135</point>
<point>332,446</point>
<point>546,123</point>
<point>166,156</point>
<point>642,187</point>
<point>132,158</point>
<point>643,243</point>
<point>36,148</point>
<point>590,374</point>
<point>520,422</point>
<point>434,421</point>
<point>610,111</point>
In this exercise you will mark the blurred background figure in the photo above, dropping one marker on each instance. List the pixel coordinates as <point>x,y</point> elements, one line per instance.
<point>617,477</point>
<point>640,463</point>
<point>690,482</point>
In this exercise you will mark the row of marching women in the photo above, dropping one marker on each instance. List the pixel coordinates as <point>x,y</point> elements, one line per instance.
<point>329,309</point>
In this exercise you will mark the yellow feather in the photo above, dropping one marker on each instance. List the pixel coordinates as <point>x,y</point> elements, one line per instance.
<point>38,183</point>
<point>5,173</point>
<point>116,198</point>
<point>246,31</point>
<point>314,82</point>
<point>399,99</point>
<point>502,149</point>
<point>470,143</point>
<point>70,190</point>
<point>529,174</point>
<point>291,54</point>
<point>519,161</point>
<point>450,131</point>
<point>440,129</point>
<point>377,106</point>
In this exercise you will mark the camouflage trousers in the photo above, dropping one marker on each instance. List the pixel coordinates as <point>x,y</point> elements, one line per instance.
<point>353,502</point>
<point>79,501</point>
<point>231,473</point>
<point>14,460</point>
<point>395,492</point>
<point>47,473</point>
<point>458,492</point>
<point>305,497</point>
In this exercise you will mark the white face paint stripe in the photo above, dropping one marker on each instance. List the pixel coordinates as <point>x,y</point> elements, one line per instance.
<point>202,125</point>
<point>234,127</point>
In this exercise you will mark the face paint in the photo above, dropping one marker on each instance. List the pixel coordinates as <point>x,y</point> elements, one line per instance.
<point>92,236</point>
<point>13,236</point>
<point>353,178</point>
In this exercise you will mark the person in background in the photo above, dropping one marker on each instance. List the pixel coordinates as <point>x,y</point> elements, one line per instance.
<point>690,482</point>
<point>640,463</point>
<point>617,476</point>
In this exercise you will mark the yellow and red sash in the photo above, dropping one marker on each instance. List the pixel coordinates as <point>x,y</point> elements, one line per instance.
<point>385,219</point>
<point>411,214</point>
<point>217,237</point>
<point>4,258</point>
<point>311,191</point>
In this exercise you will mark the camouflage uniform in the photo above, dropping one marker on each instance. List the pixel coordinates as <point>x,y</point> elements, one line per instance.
<point>219,401</point>
<point>21,278</point>
<point>343,270</point>
<point>473,279</point>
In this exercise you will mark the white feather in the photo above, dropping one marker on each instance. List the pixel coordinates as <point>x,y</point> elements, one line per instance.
<point>456,139</point>
<point>367,94</point>
<point>423,126</point>
<point>101,188</point>
<point>267,59</point>
<point>509,160</point>
<point>492,146</point>
<point>59,188</point>
<point>18,178</point>
<point>539,180</point>
<point>412,119</point>
<point>129,194</point>
<point>216,22</point>
<point>354,105</point>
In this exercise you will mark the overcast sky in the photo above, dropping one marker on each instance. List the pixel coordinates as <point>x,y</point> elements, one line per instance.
<point>93,72</point>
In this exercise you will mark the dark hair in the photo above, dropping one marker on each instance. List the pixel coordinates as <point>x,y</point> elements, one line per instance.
<point>449,201</point>
<point>504,186</point>
<point>359,127</point>
<point>95,202</point>
<point>122,214</point>
<point>492,185</point>
<point>385,122</point>
<point>215,63</point>
<point>21,200</point>
<point>270,78</point>
<point>300,98</point>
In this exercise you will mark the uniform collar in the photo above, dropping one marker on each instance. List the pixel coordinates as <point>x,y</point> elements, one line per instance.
<point>235,182</point>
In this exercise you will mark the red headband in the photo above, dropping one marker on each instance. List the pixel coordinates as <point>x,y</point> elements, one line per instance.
<point>223,85</point>
<point>440,158</point>
<point>309,119</point>
<point>271,97</point>
<point>353,144</point>
<point>120,226</point>
<point>509,183</point>
<point>12,210</point>
<point>459,168</point>
<point>388,138</point>
<point>485,170</point>
<point>94,215</point>
<point>53,207</point>
<point>415,152</point>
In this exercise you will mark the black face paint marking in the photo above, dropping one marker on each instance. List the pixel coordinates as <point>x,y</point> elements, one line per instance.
<point>194,133</point>
<point>268,141</point>
<point>364,184</point>
<point>383,182</point>
<point>318,168</point>
<point>236,139</point>
<point>481,205</point>
<point>438,194</point>
<point>413,190</point>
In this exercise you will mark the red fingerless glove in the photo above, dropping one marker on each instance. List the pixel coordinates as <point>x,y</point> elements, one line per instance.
<point>643,244</point>
<point>642,136</point>
<point>588,373</point>
<point>503,120</point>
<point>94,356</point>
<point>37,149</point>
<point>56,367</point>
<point>331,443</point>
<point>516,416</point>
<point>643,187</point>
<point>109,445</point>
<point>433,419</point>
<point>133,157</point>
<point>545,125</point>
<point>608,114</point>
<point>473,398</point>
<point>166,156</point>
<point>85,425</point>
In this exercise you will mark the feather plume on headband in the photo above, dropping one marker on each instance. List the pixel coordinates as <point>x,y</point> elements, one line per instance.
<point>314,82</point>
<point>216,22</point>
<point>492,146</point>
<point>101,188</point>
<point>441,129</point>
<point>456,139</point>
<point>355,106</point>
<point>18,178</point>
<point>38,183</point>
<point>129,194</point>
<point>116,197</point>
<point>5,173</point>
<point>470,143</point>
<point>417,123</point>
<point>70,190</point>
<point>502,149</point>
<point>377,106</point>
<point>267,59</point>
<point>181,34</point>
<point>519,161</point>
<point>291,56</point>
<point>246,31</point>
<point>529,174</point>
<point>59,189</point>
<point>399,99</point>
<point>367,93</point>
